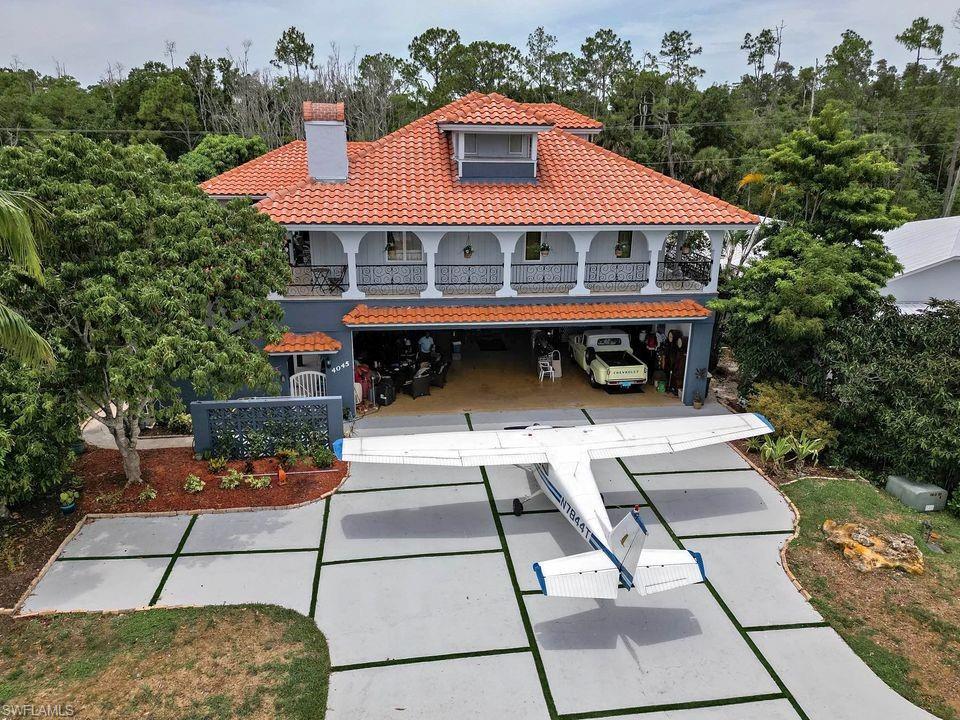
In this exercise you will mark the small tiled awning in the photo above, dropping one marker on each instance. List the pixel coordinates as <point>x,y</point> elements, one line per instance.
<point>579,312</point>
<point>296,343</point>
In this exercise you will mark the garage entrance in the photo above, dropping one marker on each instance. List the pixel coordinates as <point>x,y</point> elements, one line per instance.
<point>439,370</point>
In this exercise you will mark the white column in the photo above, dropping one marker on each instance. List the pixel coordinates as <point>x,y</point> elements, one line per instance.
<point>350,239</point>
<point>508,240</point>
<point>716,249</point>
<point>581,241</point>
<point>655,241</point>
<point>431,243</point>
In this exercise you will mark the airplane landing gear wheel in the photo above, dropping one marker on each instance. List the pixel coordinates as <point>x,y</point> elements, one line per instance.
<point>517,507</point>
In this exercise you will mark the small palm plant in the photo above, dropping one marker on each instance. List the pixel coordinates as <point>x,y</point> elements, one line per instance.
<point>805,448</point>
<point>775,451</point>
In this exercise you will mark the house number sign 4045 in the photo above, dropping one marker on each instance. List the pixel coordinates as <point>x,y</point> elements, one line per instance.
<point>341,366</point>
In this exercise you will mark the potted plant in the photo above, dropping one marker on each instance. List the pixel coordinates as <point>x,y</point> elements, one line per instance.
<point>621,250</point>
<point>390,246</point>
<point>468,252</point>
<point>697,401</point>
<point>544,250</point>
<point>68,501</point>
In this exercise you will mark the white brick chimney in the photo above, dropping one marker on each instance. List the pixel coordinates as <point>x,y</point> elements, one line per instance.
<point>325,129</point>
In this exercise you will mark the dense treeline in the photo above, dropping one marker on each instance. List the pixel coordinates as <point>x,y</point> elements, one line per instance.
<point>653,108</point>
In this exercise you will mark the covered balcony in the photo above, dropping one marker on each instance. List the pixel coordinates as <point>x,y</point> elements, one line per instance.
<point>503,263</point>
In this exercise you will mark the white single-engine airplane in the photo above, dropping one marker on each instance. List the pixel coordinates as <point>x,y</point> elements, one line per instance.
<point>561,457</point>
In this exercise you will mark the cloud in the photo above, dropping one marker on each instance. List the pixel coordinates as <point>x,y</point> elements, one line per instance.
<point>85,37</point>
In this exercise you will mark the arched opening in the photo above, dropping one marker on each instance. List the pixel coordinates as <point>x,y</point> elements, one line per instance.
<point>685,261</point>
<point>391,262</point>
<point>544,262</point>
<point>469,263</point>
<point>618,261</point>
<point>318,264</point>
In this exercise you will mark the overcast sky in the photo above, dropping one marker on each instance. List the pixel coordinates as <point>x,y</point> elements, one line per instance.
<point>84,37</point>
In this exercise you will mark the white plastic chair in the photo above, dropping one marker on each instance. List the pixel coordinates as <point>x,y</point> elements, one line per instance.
<point>545,369</point>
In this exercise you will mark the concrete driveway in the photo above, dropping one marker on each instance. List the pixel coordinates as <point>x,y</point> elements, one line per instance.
<point>421,580</point>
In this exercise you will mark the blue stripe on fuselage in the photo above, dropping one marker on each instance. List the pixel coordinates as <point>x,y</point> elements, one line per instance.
<point>588,535</point>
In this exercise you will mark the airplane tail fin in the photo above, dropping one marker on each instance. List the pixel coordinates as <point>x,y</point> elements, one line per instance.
<point>626,542</point>
<point>587,575</point>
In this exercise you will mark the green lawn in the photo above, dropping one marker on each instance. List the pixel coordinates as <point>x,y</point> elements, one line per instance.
<point>906,628</point>
<point>183,664</point>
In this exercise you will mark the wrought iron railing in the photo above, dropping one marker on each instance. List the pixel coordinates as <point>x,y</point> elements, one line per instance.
<point>317,280</point>
<point>467,279</point>
<point>543,277</point>
<point>683,274</point>
<point>617,276</point>
<point>398,279</point>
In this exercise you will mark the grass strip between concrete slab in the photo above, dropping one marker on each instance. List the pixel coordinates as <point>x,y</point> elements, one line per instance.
<point>505,513</point>
<point>316,572</point>
<point>173,560</point>
<point>427,659</point>
<point>787,626</point>
<point>693,705</point>
<point>754,533</point>
<point>716,595</point>
<point>524,616</point>
<point>412,556</point>
<point>684,472</point>
<point>408,487</point>
<point>151,556</point>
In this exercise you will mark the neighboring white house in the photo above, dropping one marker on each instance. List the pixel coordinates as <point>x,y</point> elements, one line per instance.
<point>929,251</point>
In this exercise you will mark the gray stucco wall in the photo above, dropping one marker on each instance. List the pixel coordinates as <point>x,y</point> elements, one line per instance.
<point>309,314</point>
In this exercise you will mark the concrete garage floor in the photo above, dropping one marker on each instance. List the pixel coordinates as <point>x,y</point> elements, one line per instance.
<point>494,380</point>
<point>421,580</point>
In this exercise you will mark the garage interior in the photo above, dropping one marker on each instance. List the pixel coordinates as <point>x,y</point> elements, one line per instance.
<point>491,369</point>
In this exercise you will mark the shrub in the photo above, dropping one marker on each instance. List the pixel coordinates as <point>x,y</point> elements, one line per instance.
<point>805,448</point>
<point>287,456</point>
<point>217,464</point>
<point>323,456</point>
<point>953,504</point>
<point>231,480</point>
<point>776,450</point>
<point>793,411</point>
<point>258,482</point>
<point>147,494</point>
<point>193,484</point>
<point>39,428</point>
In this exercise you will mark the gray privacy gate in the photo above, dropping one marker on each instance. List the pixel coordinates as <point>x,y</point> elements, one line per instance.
<point>259,426</point>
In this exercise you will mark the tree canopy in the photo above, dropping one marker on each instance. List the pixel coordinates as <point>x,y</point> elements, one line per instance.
<point>148,283</point>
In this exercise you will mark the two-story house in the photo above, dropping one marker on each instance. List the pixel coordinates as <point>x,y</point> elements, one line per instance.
<point>486,213</point>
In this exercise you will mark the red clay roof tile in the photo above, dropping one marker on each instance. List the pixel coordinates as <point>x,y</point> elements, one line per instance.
<point>563,117</point>
<point>407,178</point>
<point>314,342</point>
<point>464,314</point>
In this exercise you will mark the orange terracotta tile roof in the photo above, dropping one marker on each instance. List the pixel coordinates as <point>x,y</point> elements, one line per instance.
<point>313,111</point>
<point>408,178</point>
<point>506,314</point>
<point>563,117</point>
<point>314,342</point>
<point>279,169</point>
<point>492,109</point>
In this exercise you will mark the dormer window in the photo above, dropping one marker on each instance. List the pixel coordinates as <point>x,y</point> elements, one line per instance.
<point>470,144</point>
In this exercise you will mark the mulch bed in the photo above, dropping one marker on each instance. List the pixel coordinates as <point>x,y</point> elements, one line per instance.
<point>788,473</point>
<point>34,531</point>
<point>105,489</point>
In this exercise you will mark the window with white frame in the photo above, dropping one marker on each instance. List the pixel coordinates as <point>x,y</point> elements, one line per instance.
<point>469,144</point>
<point>515,144</point>
<point>403,246</point>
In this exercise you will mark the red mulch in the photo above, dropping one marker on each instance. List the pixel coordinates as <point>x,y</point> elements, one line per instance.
<point>105,490</point>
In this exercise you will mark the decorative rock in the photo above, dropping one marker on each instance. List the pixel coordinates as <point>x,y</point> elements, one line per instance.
<point>868,551</point>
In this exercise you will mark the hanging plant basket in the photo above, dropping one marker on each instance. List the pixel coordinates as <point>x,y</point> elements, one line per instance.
<point>468,252</point>
<point>544,250</point>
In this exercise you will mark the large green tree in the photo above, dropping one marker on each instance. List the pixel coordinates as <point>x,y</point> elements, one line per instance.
<point>149,283</point>
<point>216,154</point>
<point>823,258</point>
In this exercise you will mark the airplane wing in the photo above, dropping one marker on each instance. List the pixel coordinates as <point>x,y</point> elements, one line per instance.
<point>531,445</point>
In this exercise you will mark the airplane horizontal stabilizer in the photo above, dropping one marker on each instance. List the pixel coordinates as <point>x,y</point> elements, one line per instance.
<point>660,570</point>
<point>587,575</point>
